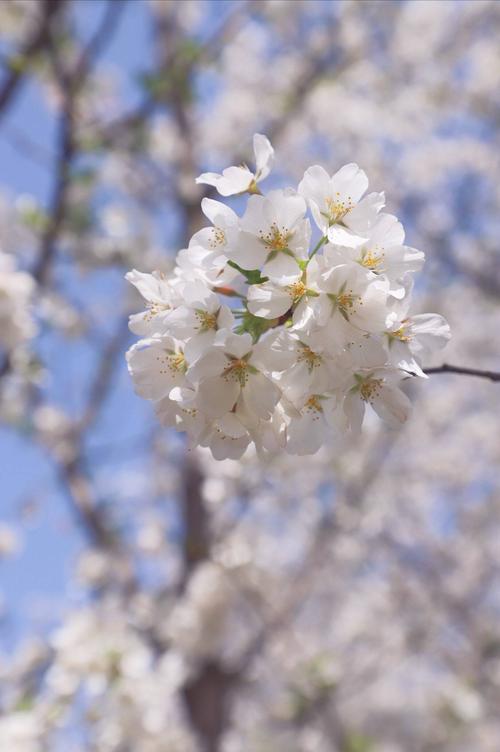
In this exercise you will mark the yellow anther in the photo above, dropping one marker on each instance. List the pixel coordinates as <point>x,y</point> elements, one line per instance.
<point>276,238</point>
<point>346,301</point>
<point>370,388</point>
<point>401,334</point>
<point>154,309</point>
<point>371,259</point>
<point>218,237</point>
<point>237,370</point>
<point>297,290</point>
<point>337,209</point>
<point>313,405</point>
<point>308,356</point>
<point>172,363</point>
<point>208,321</point>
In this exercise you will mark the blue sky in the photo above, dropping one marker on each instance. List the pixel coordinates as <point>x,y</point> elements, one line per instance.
<point>33,582</point>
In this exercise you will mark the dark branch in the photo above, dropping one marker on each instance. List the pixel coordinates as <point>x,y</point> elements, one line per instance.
<point>446,368</point>
<point>19,63</point>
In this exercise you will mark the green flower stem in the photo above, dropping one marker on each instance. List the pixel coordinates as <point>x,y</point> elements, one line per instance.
<point>318,245</point>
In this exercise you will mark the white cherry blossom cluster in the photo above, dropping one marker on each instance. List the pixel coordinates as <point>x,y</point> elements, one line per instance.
<point>321,328</point>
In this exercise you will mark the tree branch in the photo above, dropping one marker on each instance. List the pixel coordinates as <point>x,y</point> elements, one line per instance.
<point>17,64</point>
<point>446,368</point>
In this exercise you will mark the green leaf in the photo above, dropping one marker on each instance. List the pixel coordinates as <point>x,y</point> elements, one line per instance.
<point>254,325</point>
<point>252,276</point>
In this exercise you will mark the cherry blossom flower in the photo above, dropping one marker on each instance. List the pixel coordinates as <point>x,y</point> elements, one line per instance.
<point>160,296</point>
<point>157,365</point>
<point>198,319</point>
<point>382,253</point>
<point>275,235</point>
<point>232,374</point>
<point>241,179</point>
<point>415,338</point>
<point>337,205</point>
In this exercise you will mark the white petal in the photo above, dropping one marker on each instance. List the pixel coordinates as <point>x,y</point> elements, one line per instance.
<point>231,426</point>
<point>365,215</point>
<point>268,301</point>
<point>224,447</point>
<point>233,180</point>
<point>154,287</point>
<point>249,253</point>
<point>237,345</point>
<point>350,181</point>
<point>284,209</point>
<point>260,395</point>
<point>399,260</point>
<point>218,213</point>
<point>305,435</point>
<point>282,268</point>
<point>264,156</point>
<point>342,236</point>
<point>153,368</point>
<point>275,351</point>
<point>198,345</point>
<point>217,396</point>
<point>354,410</point>
<point>392,405</point>
<point>315,185</point>
<point>387,231</point>
<point>225,318</point>
<point>433,325</point>
<point>149,323</point>
<point>319,218</point>
<point>210,364</point>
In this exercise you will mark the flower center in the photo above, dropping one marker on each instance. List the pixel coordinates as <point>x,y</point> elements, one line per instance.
<point>297,290</point>
<point>309,357</point>
<point>337,209</point>
<point>172,363</point>
<point>154,309</point>
<point>401,334</point>
<point>218,237</point>
<point>237,370</point>
<point>370,388</point>
<point>371,259</point>
<point>276,238</point>
<point>345,302</point>
<point>313,405</point>
<point>208,321</point>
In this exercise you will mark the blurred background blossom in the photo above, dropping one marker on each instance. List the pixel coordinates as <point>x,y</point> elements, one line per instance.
<point>153,599</point>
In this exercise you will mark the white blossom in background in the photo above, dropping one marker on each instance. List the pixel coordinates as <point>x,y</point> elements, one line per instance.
<point>16,291</point>
<point>320,329</point>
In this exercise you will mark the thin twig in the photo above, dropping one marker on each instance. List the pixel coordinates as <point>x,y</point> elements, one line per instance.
<point>446,368</point>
